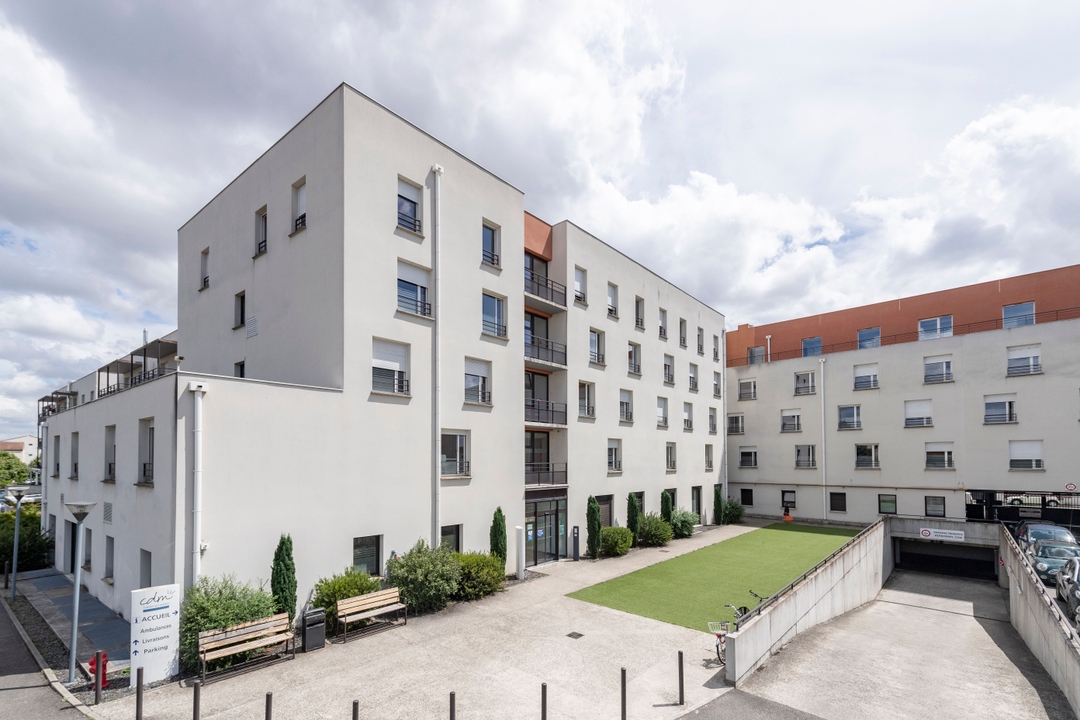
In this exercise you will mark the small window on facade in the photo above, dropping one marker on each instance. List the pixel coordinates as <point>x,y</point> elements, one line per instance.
<point>748,457</point>
<point>716,384</point>
<point>88,548</point>
<point>586,400</point>
<point>866,456</point>
<point>712,420</point>
<point>693,377</point>
<point>935,506</point>
<point>626,406</point>
<point>260,232</point>
<point>408,206</point>
<point>412,287</point>
<point>805,456</point>
<point>596,347</point>
<point>389,367</point>
<point>735,425</point>
<point>787,498</point>
<point>669,369</point>
<point>748,389</point>
<point>708,458</point>
<point>716,348</point>
<point>477,381</point>
<point>451,537</point>
<point>869,338</point>
<point>238,369</point>
<point>1024,360</point>
<point>791,420</point>
<point>755,355</point>
<point>239,310</point>
<point>1025,455</point>
<point>850,417</point>
<point>811,346</point>
<point>670,455</point>
<point>688,416</point>
<point>367,554</point>
<point>804,383</point>
<point>682,332</point>
<point>661,411</point>
<point>700,341</point>
<point>746,497</point>
<point>934,328</point>
<point>662,323</point>
<point>109,543</point>
<point>886,504</point>
<point>999,409</point>
<point>937,369</point>
<point>918,413</point>
<point>204,269</point>
<point>494,309</point>
<point>614,455</point>
<point>866,376</point>
<point>581,286</point>
<point>939,455</point>
<point>454,458</point>
<point>1017,315</point>
<point>612,300</point>
<point>300,205</point>
<point>639,313</point>
<point>633,358</point>
<point>838,502</point>
<point>490,252</point>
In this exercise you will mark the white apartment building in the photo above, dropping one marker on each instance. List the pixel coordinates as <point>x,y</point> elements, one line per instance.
<point>364,286</point>
<point>24,447</point>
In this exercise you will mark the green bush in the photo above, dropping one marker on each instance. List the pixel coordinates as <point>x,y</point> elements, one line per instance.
<point>654,531</point>
<point>665,506</point>
<point>633,515</point>
<point>215,603</point>
<point>350,583</point>
<point>498,535</point>
<point>283,577</point>
<point>34,545</point>
<point>593,526</point>
<point>683,522</point>
<point>718,504</point>
<point>426,577</point>
<point>12,470</point>
<point>733,511</point>
<point>615,541</point>
<point>481,574</point>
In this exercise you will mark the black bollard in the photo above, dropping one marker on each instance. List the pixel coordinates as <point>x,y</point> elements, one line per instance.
<point>543,701</point>
<point>453,706</point>
<point>196,700</point>
<point>98,676</point>
<point>269,706</point>
<point>355,710</point>
<point>138,694</point>
<point>624,694</point>
<point>682,695</point>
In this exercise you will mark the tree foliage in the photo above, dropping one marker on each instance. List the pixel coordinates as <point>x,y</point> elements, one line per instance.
<point>283,577</point>
<point>498,535</point>
<point>34,545</point>
<point>12,470</point>
<point>215,603</point>
<point>654,531</point>
<point>633,516</point>
<point>593,525</point>
<point>426,577</point>
<point>665,506</point>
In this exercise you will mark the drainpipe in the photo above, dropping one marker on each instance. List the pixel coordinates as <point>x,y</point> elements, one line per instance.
<point>436,370</point>
<point>768,348</point>
<point>197,389</point>
<point>824,482</point>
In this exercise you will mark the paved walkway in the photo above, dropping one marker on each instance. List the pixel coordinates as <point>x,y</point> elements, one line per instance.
<point>494,654</point>
<point>24,692</point>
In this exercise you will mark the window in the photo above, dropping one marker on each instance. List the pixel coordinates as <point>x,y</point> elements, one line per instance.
<point>805,456</point>
<point>633,358</point>
<point>596,347</point>
<point>490,252</point>
<point>451,537</point>
<point>918,413</point>
<point>735,425</point>
<point>937,369</point>
<point>1017,315</point>
<point>669,450</point>
<point>626,406</point>
<point>412,289</point>
<point>886,504</point>
<point>661,412</point>
<point>612,300</point>
<point>580,285</point>
<point>693,377</point>
<point>669,369</point>
<point>869,338</point>
<point>204,269</point>
<point>748,457</point>
<point>791,420</point>
<point>1024,360</point>
<point>663,323</point>
<point>74,456</point>
<point>1025,455</point>
<point>746,497</point>
<point>614,455</point>
<point>787,498</point>
<point>238,369</point>
<point>239,310</point>
<point>866,376</point>
<point>146,451</point>
<point>866,456</point>
<point>850,417</point>
<point>935,506</point>
<point>639,313</point>
<point>838,502</point>
<point>695,502</point>
<point>755,355</point>
<point>700,341</point>
<point>146,562</point>
<point>88,545</point>
<point>716,348</point>
<point>682,332</point>
<point>717,384</point>
<point>260,232</point>
<point>811,346</point>
<point>712,420</point>
<point>299,205</point>
<point>109,544</point>
<point>367,554</point>
<point>999,409</point>
<point>688,416</point>
<point>748,389</point>
<point>408,206</point>
<point>934,328</point>
<point>606,502</point>
<point>586,400</point>
<point>708,458</point>
<point>494,310</point>
<point>454,458</point>
<point>672,493</point>
<point>536,270</point>
<point>477,381</point>
<point>939,456</point>
<point>804,383</point>
<point>110,452</point>
<point>389,367</point>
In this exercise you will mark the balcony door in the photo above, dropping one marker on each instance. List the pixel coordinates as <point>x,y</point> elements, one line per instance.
<point>536,386</point>
<point>535,326</point>
<point>537,446</point>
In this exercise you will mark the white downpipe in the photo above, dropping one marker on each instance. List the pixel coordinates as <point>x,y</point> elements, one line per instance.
<point>768,348</point>
<point>197,389</point>
<point>824,477</point>
<point>436,407</point>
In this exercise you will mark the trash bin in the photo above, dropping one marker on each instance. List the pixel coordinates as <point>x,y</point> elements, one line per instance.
<point>314,629</point>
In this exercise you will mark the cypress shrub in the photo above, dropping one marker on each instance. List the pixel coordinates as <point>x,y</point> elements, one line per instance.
<point>481,574</point>
<point>283,577</point>
<point>654,531</point>
<point>593,527</point>
<point>615,541</point>
<point>718,515</point>
<point>426,577</point>
<point>665,506</point>
<point>349,583</point>
<point>498,536</point>
<point>215,603</point>
<point>633,516</point>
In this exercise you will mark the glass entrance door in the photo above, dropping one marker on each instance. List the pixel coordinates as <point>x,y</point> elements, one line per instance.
<point>545,531</point>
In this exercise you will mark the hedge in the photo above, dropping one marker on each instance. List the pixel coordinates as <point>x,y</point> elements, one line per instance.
<point>654,531</point>
<point>615,541</point>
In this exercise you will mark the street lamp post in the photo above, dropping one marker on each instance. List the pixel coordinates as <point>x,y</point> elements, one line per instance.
<point>18,493</point>
<point>80,511</point>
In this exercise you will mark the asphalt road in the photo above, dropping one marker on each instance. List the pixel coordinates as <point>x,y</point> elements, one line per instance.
<point>24,692</point>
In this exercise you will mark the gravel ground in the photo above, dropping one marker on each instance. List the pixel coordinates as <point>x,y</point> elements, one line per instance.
<point>39,632</point>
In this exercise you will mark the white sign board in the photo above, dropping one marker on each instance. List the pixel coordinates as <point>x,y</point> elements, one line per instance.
<point>155,632</point>
<point>935,534</point>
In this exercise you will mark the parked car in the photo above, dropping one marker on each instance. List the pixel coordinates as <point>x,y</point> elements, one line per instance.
<point>1031,500</point>
<point>1048,557</point>
<point>1068,586</point>
<point>1030,531</point>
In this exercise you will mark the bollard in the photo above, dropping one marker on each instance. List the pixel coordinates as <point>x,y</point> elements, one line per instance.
<point>138,694</point>
<point>355,710</point>
<point>99,673</point>
<point>543,701</point>
<point>624,694</point>
<point>269,706</point>
<point>453,706</point>
<point>196,700</point>
<point>682,696</point>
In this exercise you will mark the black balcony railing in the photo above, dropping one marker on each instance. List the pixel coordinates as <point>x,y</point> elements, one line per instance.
<point>614,465</point>
<point>206,281</point>
<point>626,413</point>
<point>1025,369</point>
<point>75,471</point>
<point>670,463</point>
<point>930,378</point>
<point>716,355</point>
<point>476,395</point>
<point>633,367</point>
<point>56,470</point>
<point>716,389</point>
<point>669,375</point>
<point>544,287</point>
<point>491,258</point>
<point>805,389</point>
<point>110,471</point>
<point>662,332</point>
<point>585,410</point>
<point>639,322</point>
<point>735,429</point>
<point>939,463</point>
<point>1026,464</point>
<point>612,311</point>
<point>391,384</point>
<point>596,357</point>
<point>455,467</point>
<point>545,474</point>
<point>805,463</point>
<point>661,420</point>
<point>748,462</point>
<point>693,383</point>
<point>543,349</point>
<point>790,426</point>
<point>866,382</point>
<point>999,418</point>
<point>701,349</point>
<point>579,296</point>
<point>147,471</point>
<point>682,340</point>
<point>850,425</point>
<point>300,223</point>
<point>493,328</point>
<point>708,466</point>
<point>918,422</point>
<point>412,304</point>
<point>409,222</point>
<point>712,427</point>
<point>688,424</point>
<point>748,394</point>
<point>542,411</point>
<point>867,462</point>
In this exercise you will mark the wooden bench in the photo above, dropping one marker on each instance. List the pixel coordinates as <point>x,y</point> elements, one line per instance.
<point>366,607</point>
<point>254,635</point>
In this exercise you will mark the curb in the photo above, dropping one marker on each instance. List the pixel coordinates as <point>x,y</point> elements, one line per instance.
<point>45,669</point>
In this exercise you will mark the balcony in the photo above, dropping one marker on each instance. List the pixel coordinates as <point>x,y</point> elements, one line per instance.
<point>539,348</point>
<point>804,464</point>
<point>633,367</point>
<point>850,425</point>
<point>300,223</point>
<point>545,288</point>
<point>748,394</point>
<point>866,382</point>
<point>693,383</point>
<point>790,426</point>
<point>409,222</point>
<point>626,413</point>
<point>476,395</point>
<point>455,468</point>
<point>411,304</point>
<point>805,389</point>
<point>669,375</point>
<point>394,383</point>
<point>661,420</point>
<point>596,357</point>
<point>1026,464</point>
<point>1028,368</point>
<point>541,474</point>
<point>663,332</point>
<point>614,465</point>
<point>918,422</point>
<point>612,311</point>
<point>491,258</point>
<point>586,410</point>
<point>940,463</point>
<point>110,472</point>
<point>931,378</point>
<point>999,418</point>
<point>688,424</point>
<point>639,322</point>
<point>493,328</point>
<point>542,411</point>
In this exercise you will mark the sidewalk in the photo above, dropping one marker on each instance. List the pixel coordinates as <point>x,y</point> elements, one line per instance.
<point>24,691</point>
<point>494,654</point>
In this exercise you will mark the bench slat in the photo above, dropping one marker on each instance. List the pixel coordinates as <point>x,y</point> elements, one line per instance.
<point>243,636</point>
<point>363,602</point>
<point>243,628</point>
<point>253,645</point>
<point>372,613</point>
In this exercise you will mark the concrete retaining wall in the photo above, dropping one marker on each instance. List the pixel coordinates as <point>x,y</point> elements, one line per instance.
<point>851,578</point>
<point>1034,612</point>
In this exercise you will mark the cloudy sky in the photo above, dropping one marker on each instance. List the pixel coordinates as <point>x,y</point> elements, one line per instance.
<point>774,159</point>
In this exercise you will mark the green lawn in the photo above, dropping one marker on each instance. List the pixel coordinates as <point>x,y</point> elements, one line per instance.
<point>692,589</point>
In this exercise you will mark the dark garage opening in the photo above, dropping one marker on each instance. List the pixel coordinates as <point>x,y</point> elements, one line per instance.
<point>946,559</point>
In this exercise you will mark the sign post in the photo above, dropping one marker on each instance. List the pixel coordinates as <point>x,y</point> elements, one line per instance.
<point>155,632</point>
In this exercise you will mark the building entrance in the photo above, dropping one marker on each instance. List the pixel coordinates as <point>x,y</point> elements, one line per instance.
<point>545,530</point>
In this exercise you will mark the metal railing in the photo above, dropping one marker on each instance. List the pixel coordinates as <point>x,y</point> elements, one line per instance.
<point>633,367</point>
<point>261,247</point>
<point>701,348</point>
<point>476,395</point>
<point>543,411</point>
<point>300,223</point>
<point>596,357</point>
<point>669,375</point>
<point>110,471</point>
<point>74,471</point>
<point>579,296</point>
<point>147,471</point>
<point>682,340</point>
<point>999,418</point>
<point>790,426</point>
<point>693,383</point>
<point>716,355</point>
<point>455,467</point>
<point>805,463</point>
<point>612,311</point>
<point>930,378</point>
<point>639,322</point>
<point>662,331</point>
<point>687,424</point>
<point>206,281</point>
<point>1026,464</point>
<point>412,304</point>
<point>918,422</point>
<point>409,222</point>
<point>536,284</point>
<point>736,429</point>
<point>540,348</point>
<point>716,389</point>
<point>939,463</point>
<point>867,462</point>
<point>586,410</point>
<point>661,420</point>
<point>626,413</point>
<point>396,384</point>
<point>491,258</point>
<point>849,425</point>
<point>708,466</point>
<point>748,462</point>
<point>670,464</point>
<point>493,328</point>
<point>712,427</point>
<point>545,474</point>
<point>866,382</point>
<point>748,394</point>
<point>805,389</point>
<point>1028,369</point>
<point>615,465</point>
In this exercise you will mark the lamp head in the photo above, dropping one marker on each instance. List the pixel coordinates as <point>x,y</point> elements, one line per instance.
<point>18,491</point>
<point>80,510</point>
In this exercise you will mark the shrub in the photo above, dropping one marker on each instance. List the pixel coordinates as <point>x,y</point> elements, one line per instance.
<point>481,574</point>
<point>426,577</point>
<point>12,470</point>
<point>283,577</point>
<point>215,603</point>
<point>683,522</point>
<point>633,515</point>
<point>593,526</point>
<point>498,536</point>
<point>718,504</point>
<point>34,545</point>
<point>350,583</point>
<point>665,506</point>
<point>654,531</point>
<point>615,541</point>
<point>733,511</point>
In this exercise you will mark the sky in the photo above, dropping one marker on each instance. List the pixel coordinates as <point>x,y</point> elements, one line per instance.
<point>773,159</point>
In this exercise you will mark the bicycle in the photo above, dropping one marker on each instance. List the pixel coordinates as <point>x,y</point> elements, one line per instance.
<point>720,629</point>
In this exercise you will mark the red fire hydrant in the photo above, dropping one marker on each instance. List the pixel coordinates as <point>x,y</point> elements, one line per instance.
<point>104,668</point>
